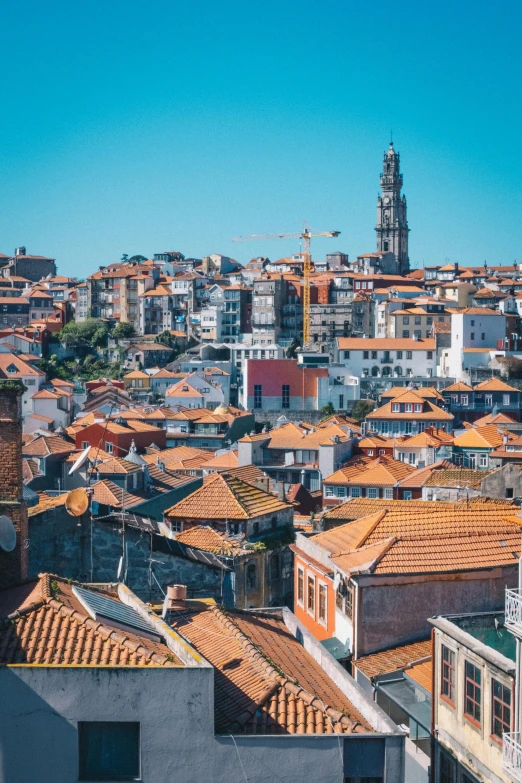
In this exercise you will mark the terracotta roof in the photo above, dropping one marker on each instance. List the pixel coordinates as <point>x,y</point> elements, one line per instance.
<point>460,386</point>
<point>456,477</point>
<point>116,466</point>
<point>107,493</point>
<point>291,436</point>
<point>136,374</point>
<point>180,458</point>
<point>227,460</point>
<point>480,438</point>
<point>430,411</point>
<point>226,497</point>
<point>44,445</point>
<point>183,389</point>
<point>23,369</point>
<point>431,437</point>
<point>495,384</point>
<point>499,418</point>
<point>54,629</point>
<point>422,674</point>
<point>383,472</point>
<point>426,392</point>
<point>265,681</point>
<point>393,659</point>
<point>249,473</point>
<point>209,540</point>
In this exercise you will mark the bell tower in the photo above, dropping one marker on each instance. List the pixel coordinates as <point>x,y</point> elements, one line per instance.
<point>392,223</point>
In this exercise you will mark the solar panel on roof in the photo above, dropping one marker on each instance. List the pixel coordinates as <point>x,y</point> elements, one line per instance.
<point>114,612</point>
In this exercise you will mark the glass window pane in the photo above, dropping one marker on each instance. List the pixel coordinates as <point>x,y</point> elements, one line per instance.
<point>109,751</point>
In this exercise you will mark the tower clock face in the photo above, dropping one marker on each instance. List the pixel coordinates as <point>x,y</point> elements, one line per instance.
<point>386,200</point>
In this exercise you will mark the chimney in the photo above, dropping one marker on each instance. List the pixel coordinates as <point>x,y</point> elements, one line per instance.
<point>175,600</point>
<point>20,251</point>
<point>13,564</point>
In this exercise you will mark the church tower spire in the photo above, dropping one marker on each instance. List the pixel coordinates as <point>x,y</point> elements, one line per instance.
<point>392,224</point>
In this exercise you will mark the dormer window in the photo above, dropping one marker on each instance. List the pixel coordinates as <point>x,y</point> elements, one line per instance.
<point>396,407</point>
<point>408,407</point>
<point>418,407</point>
<point>12,368</point>
<point>184,388</point>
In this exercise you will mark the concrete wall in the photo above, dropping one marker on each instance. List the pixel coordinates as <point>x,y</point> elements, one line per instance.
<point>395,611</point>
<point>496,484</point>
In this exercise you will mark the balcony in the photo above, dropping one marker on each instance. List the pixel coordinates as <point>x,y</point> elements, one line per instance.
<point>387,360</point>
<point>512,755</point>
<point>513,611</point>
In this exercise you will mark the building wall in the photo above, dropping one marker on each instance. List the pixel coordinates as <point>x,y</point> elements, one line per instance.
<point>496,484</point>
<point>471,745</point>
<point>13,565</point>
<point>321,629</point>
<point>394,611</point>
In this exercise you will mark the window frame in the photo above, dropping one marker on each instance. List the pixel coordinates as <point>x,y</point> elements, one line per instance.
<point>506,727</point>
<point>85,773</point>
<point>476,686</point>
<point>300,586</point>
<point>310,594</point>
<point>448,674</point>
<point>322,600</point>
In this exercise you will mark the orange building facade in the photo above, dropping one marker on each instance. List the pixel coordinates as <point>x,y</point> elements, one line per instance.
<point>314,595</point>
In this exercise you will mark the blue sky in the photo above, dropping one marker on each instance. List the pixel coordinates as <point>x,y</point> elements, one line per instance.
<point>136,127</point>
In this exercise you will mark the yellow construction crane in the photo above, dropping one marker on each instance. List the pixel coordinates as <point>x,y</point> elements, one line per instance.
<point>306,234</point>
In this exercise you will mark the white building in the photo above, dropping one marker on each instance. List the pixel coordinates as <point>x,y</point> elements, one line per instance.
<point>476,330</point>
<point>386,357</point>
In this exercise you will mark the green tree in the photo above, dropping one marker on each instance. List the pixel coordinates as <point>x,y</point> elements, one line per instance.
<point>124,257</point>
<point>362,408</point>
<point>138,259</point>
<point>123,329</point>
<point>327,410</point>
<point>91,332</point>
<point>291,351</point>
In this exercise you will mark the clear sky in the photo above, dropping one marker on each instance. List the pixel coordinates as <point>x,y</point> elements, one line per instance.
<point>137,127</point>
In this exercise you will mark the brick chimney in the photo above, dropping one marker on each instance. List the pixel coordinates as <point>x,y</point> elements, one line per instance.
<point>13,565</point>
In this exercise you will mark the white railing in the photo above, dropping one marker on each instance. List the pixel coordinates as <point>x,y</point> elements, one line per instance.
<point>512,756</point>
<point>513,613</point>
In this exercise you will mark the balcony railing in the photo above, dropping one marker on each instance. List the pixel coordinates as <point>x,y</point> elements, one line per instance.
<point>513,611</point>
<point>512,756</point>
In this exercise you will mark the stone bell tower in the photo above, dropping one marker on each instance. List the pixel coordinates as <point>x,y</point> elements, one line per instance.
<point>392,223</point>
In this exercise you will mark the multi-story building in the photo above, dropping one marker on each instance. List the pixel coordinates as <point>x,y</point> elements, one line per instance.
<point>474,332</point>
<point>268,299</point>
<point>407,414</point>
<point>387,357</point>
<point>113,292</point>
<point>14,311</point>
<point>471,403</point>
<point>474,669</point>
<point>33,268</point>
<point>156,310</point>
<point>417,320</point>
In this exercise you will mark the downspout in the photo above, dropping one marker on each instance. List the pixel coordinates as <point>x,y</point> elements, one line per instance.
<point>433,697</point>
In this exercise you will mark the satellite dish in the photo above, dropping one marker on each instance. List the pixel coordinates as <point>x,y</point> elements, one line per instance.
<point>77,502</point>
<point>7,534</point>
<point>337,580</point>
<point>80,461</point>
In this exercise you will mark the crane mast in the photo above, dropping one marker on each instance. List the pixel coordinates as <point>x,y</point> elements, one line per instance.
<point>306,234</point>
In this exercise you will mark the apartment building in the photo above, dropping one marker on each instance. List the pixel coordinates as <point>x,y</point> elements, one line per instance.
<point>113,292</point>
<point>268,299</point>
<point>387,357</point>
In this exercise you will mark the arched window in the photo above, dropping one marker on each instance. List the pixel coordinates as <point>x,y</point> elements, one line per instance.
<point>375,372</point>
<point>398,371</point>
<point>386,371</point>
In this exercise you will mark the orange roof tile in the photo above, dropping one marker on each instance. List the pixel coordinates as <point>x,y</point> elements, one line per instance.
<point>226,497</point>
<point>54,629</point>
<point>393,659</point>
<point>495,384</point>
<point>265,681</point>
<point>422,674</point>
<point>382,472</point>
<point>480,438</point>
<point>209,540</point>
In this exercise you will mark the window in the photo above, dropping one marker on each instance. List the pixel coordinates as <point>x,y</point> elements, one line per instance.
<point>109,751</point>
<point>300,586</point>
<point>472,692</point>
<point>405,319</point>
<point>408,354</point>
<point>341,492</point>
<point>366,354</point>
<point>355,492</point>
<point>464,399</point>
<point>347,354</point>
<point>329,492</point>
<point>509,493</point>
<point>285,395</point>
<point>505,399</point>
<point>251,576</point>
<point>483,336</point>
<point>374,354</point>
<point>405,333</point>
<point>372,492</point>
<point>258,394</point>
<point>370,452</point>
<point>388,493</point>
<point>399,354</point>
<point>396,407</point>
<point>109,447</point>
<point>483,461</point>
<point>407,495</point>
<point>323,597</point>
<point>447,676</point>
<point>448,768</point>
<point>85,444</point>
<point>472,323</point>
<point>500,708</point>
<point>429,354</point>
<point>310,592</point>
<point>348,603</point>
<point>417,320</point>
<point>489,400</point>
<point>418,407</point>
<point>472,335</point>
<point>408,407</point>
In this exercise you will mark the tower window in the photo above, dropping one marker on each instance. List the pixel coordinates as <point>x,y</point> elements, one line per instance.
<point>385,246</point>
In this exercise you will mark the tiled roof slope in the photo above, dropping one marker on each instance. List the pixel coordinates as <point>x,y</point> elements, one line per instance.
<point>226,497</point>
<point>363,507</point>
<point>265,681</point>
<point>51,627</point>
<point>209,540</point>
<point>422,674</point>
<point>382,472</point>
<point>391,660</point>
